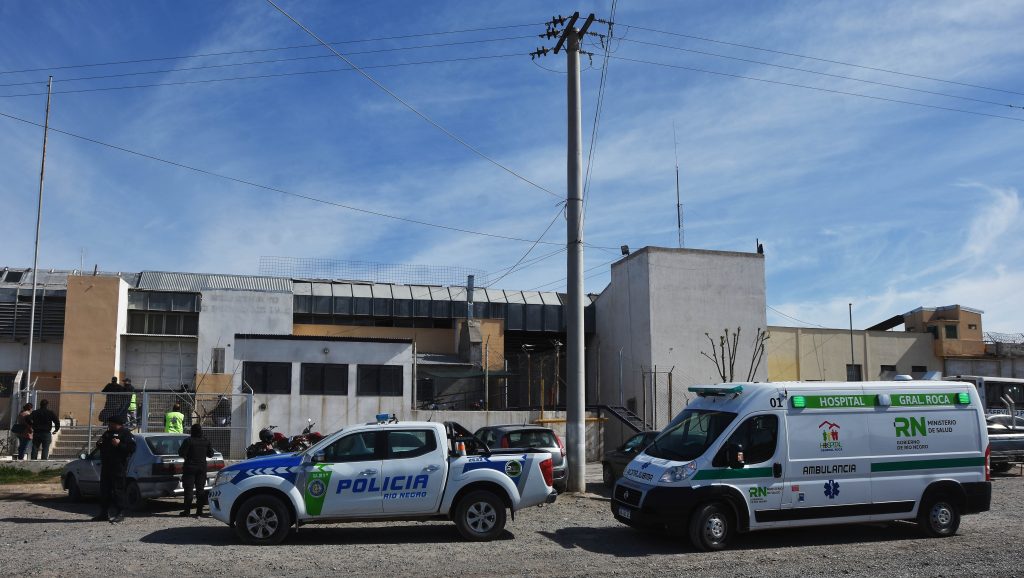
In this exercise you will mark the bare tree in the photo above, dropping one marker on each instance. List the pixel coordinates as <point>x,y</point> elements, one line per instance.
<point>724,354</point>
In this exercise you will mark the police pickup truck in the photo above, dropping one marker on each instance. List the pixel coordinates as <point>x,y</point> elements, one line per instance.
<point>383,470</point>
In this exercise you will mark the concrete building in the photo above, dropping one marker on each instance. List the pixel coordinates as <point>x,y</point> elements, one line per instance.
<point>651,324</point>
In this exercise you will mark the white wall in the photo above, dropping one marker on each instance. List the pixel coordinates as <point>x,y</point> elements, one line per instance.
<point>330,412</point>
<point>225,313</point>
<point>656,309</point>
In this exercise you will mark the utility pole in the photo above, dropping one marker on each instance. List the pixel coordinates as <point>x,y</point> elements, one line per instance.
<point>571,38</point>
<point>39,220</point>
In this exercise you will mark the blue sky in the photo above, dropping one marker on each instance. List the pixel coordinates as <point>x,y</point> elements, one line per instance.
<point>886,205</point>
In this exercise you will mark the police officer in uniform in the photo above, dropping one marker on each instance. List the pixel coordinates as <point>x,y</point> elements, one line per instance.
<point>116,446</point>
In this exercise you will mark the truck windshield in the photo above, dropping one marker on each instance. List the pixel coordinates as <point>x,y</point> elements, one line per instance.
<point>690,434</point>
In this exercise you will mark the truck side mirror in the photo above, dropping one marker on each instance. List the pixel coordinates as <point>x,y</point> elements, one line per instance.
<point>734,456</point>
<point>318,457</point>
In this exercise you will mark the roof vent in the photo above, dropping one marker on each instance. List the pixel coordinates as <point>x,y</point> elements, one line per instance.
<point>903,378</point>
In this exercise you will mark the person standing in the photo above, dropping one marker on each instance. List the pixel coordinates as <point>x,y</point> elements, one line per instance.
<point>116,402</point>
<point>174,420</point>
<point>132,403</point>
<point>42,421</point>
<point>116,446</point>
<point>195,449</point>
<point>24,430</point>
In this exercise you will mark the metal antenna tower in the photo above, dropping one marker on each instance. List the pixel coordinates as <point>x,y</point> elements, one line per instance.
<point>679,205</point>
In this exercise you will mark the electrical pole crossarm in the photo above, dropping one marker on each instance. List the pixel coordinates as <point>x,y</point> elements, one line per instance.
<point>568,29</point>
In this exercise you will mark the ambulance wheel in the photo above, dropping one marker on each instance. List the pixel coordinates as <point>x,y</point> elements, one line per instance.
<point>262,520</point>
<point>938,517</point>
<point>480,516</point>
<point>711,527</point>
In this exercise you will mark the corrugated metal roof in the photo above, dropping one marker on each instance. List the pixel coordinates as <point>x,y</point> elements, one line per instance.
<point>56,278</point>
<point>195,282</point>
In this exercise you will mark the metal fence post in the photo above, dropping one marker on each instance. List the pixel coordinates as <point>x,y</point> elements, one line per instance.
<point>92,407</point>
<point>144,414</point>
<point>248,418</point>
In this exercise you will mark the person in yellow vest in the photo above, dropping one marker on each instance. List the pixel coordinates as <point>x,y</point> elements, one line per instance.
<point>174,420</point>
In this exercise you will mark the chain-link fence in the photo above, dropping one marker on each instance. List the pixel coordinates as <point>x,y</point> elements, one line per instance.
<point>226,418</point>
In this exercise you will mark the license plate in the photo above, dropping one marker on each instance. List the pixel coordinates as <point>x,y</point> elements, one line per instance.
<point>625,513</point>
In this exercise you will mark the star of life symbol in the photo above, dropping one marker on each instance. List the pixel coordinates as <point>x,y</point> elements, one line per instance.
<point>831,489</point>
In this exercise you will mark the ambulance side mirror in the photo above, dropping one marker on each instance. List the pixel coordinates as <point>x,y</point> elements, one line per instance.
<point>318,457</point>
<point>734,456</point>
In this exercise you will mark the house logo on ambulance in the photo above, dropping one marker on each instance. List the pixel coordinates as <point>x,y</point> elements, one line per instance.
<point>830,437</point>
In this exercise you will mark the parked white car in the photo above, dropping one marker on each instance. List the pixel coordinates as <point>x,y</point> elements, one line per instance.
<point>154,470</point>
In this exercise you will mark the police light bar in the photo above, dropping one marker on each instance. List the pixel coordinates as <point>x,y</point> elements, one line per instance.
<point>383,417</point>
<point>704,391</point>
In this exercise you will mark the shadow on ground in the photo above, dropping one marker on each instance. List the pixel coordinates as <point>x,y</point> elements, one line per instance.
<point>321,535</point>
<point>627,542</point>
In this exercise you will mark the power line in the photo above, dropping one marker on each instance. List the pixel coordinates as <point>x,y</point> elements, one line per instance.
<point>257,50</point>
<point>261,76</point>
<point>280,190</point>
<point>607,43</point>
<point>431,121</point>
<point>528,251</point>
<point>809,71</point>
<point>606,263</point>
<point>272,61</point>
<point>794,318</point>
<point>797,55</point>
<point>820,89</point>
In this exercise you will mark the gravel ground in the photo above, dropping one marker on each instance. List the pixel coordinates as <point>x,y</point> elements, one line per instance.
<point>47,536</point>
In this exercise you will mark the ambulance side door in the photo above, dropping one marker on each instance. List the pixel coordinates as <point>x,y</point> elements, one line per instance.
<point>346,481</point>
<point>761,481</point>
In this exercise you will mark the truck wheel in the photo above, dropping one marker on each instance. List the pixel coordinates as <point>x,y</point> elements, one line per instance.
<point>710,527</point>
<point>607,476</point>
<point>480,516</point>
<point>938,517</point>
<point>262,520</point>
<point>74,491</point>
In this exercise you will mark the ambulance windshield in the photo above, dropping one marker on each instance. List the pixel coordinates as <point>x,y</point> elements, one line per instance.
<point>690,434</point>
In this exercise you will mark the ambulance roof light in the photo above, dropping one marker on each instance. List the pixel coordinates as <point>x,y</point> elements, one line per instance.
<point>903,377</point>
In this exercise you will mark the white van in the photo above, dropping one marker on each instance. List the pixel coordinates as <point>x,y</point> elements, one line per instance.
<point>751,456</point>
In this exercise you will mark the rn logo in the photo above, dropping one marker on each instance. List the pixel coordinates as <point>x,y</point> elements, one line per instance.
<point>908,427</point>
<point>758,492</point>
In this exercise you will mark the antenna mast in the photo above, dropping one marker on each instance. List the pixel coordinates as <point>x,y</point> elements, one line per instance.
<point>679,205</point>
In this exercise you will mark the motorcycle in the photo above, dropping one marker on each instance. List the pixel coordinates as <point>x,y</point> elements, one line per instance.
<point>303,441</point>
<point>265,446</point>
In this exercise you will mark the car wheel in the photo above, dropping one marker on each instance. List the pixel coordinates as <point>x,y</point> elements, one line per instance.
<point>608,475</point>
<point>938,517</point>
<point>711,527</point>
<point>480,516</point>
<point>74,491</point>
<point>133,499</point>
<point>263,520</point>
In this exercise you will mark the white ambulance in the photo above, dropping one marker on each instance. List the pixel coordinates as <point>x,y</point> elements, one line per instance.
<point>751,456</point>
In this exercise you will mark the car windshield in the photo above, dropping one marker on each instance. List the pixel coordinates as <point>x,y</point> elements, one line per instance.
<point>690,434</point>
<point>165,445</point>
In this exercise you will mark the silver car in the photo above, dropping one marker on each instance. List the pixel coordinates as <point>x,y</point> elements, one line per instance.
<point>154,470</point>
<point>529,436</point>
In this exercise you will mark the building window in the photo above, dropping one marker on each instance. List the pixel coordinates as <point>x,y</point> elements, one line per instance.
<point>533,317</point>
<point>382,380</point>
<point>887,372</point>
<point>324,379</point>
<point>421,308</point>
<point>382,307</point>
<point>267,377</point>
<point>217,360</point>
<point>551,320</point>
<point>972,326</point>
<point>343,306</point>
<point>301,303</point>
<point>322,305</point>
<point>442,309</point>
<point>151,323</point>
<point>951,332</point>
<point>514,321</point>
<point>403,307</point>
<point>934,331</point>
<point>361,305</point>
<point>853,373</point>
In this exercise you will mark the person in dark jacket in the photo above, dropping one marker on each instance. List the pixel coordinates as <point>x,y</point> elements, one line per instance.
<point>24,430</point>
<point>43,420</point>
<point>116,446</point>
<point>117,400</point>
<point>195,449</point>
